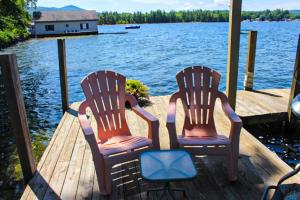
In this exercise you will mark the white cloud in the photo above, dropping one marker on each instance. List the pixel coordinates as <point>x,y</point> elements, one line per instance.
<point>221,2</point>
<point>173,4</point>
<point>146,5</point>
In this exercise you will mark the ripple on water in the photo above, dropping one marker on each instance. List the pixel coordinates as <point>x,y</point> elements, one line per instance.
<point>152,54</point>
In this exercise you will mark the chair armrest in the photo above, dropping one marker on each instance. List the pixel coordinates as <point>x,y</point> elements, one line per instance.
<point>84,122</point>
<point>171,119</point>
<point>86,128</point>
<point>236,122</point>
<point>153,123</point>
<point>290,174</point>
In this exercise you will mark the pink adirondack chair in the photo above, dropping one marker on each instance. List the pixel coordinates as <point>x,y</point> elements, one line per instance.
<point>198,91</point>
<point>113,143</point>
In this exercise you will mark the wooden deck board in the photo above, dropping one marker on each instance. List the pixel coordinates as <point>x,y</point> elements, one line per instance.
<point>258,106</point>
<point>66,170</point>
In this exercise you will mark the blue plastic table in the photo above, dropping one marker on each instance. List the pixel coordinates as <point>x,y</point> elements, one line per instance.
<point>167,166</point>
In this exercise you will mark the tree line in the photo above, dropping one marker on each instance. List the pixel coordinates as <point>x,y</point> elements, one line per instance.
<point>14,20</point>
<point>161,16</point>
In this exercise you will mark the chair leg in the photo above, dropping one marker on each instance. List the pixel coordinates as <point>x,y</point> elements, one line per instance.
<point>232,166</point>
<point>101,181</point>
<point>103,173</point>
<point>108,179</point>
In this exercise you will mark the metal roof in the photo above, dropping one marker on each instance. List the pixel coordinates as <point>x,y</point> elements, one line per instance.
<point>57,16</point>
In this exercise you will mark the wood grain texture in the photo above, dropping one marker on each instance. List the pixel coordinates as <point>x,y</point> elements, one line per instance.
<point>62,60</point>
<point>17,112</point>
<point>249,77</point>
<point>257,166</point>
<point>233,50</point>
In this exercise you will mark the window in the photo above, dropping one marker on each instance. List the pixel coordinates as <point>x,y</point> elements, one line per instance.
<point>84,26</point>
<point>67,25</point>
<point>49,27</point>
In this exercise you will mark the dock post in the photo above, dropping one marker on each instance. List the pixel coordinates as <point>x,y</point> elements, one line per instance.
<point>63,74</point>
<point>295,89</point>
<point>233,50</point>
<point>249,77</point>
<point>17,112</point>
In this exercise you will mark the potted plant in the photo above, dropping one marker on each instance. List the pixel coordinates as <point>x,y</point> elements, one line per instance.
<point>139,91</point>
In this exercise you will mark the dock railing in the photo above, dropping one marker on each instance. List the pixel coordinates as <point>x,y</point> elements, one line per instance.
<point>61,47</point>
<point>11,89</point>
<point>17,113</point>
<point>233,50</point>
<point>249,76</point>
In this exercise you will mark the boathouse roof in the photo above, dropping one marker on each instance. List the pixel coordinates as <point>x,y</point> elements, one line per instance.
<point>57,16</point>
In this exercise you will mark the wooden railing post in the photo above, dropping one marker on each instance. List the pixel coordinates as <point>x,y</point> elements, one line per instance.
<point>17,112</point>
<point>295,89</point>
<point>63,74</point>
<point>233,50</point>
<point>249,77</point>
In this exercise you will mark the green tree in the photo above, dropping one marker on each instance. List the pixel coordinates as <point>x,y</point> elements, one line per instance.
<point>14,20</point>
<point>160,16</point>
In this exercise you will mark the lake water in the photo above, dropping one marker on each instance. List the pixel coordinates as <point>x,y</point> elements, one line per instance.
<point>152,54</point>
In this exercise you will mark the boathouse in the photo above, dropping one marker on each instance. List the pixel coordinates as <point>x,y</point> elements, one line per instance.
<point>57,23</point>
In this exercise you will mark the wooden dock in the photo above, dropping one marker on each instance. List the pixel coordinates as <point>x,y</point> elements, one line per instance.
<point>263,105</point>
<point>66,170</point>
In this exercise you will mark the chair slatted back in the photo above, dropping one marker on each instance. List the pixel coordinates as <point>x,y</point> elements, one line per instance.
<point>105,94</point>
<point>198,87</point>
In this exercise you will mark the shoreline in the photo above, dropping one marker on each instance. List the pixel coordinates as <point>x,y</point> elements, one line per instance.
<point>14,42</point>
<point>244,21</point>
<point>19,40</point>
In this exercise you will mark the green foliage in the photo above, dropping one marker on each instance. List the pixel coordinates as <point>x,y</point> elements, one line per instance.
<point>122,22</point>
<point>274,15</point>
<point>11,176</point>
<point>40,140</point>
<point>14,21</point>
<point>137,89</point>
<point>14,167</point>
<point>160,16</point>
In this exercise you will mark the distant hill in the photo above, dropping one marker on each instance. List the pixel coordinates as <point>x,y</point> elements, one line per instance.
<point>45,9</point>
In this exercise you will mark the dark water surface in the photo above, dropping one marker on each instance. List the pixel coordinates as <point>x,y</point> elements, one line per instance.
<point>152,54</point>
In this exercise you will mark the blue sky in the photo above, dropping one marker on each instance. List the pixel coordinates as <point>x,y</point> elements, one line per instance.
<point>146,5</point>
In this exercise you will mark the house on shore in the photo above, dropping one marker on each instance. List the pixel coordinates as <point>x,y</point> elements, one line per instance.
<point>64,23</point>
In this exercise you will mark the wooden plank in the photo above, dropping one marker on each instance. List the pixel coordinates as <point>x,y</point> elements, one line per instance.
<point>17,112</point>
<point>61,45</point>
<point>45,154</point>
<point>85,186</point>
<point>61,168</point>
<point>295,89</point>
<point>40,182</point>
<point>266,163</point>
<point>258,166</point>
<point>72,178</point>
<point>233,50</point>
<point>86,178</point>
<point>261,102</point>
<point>248,84</point>
<point>156,110</point>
